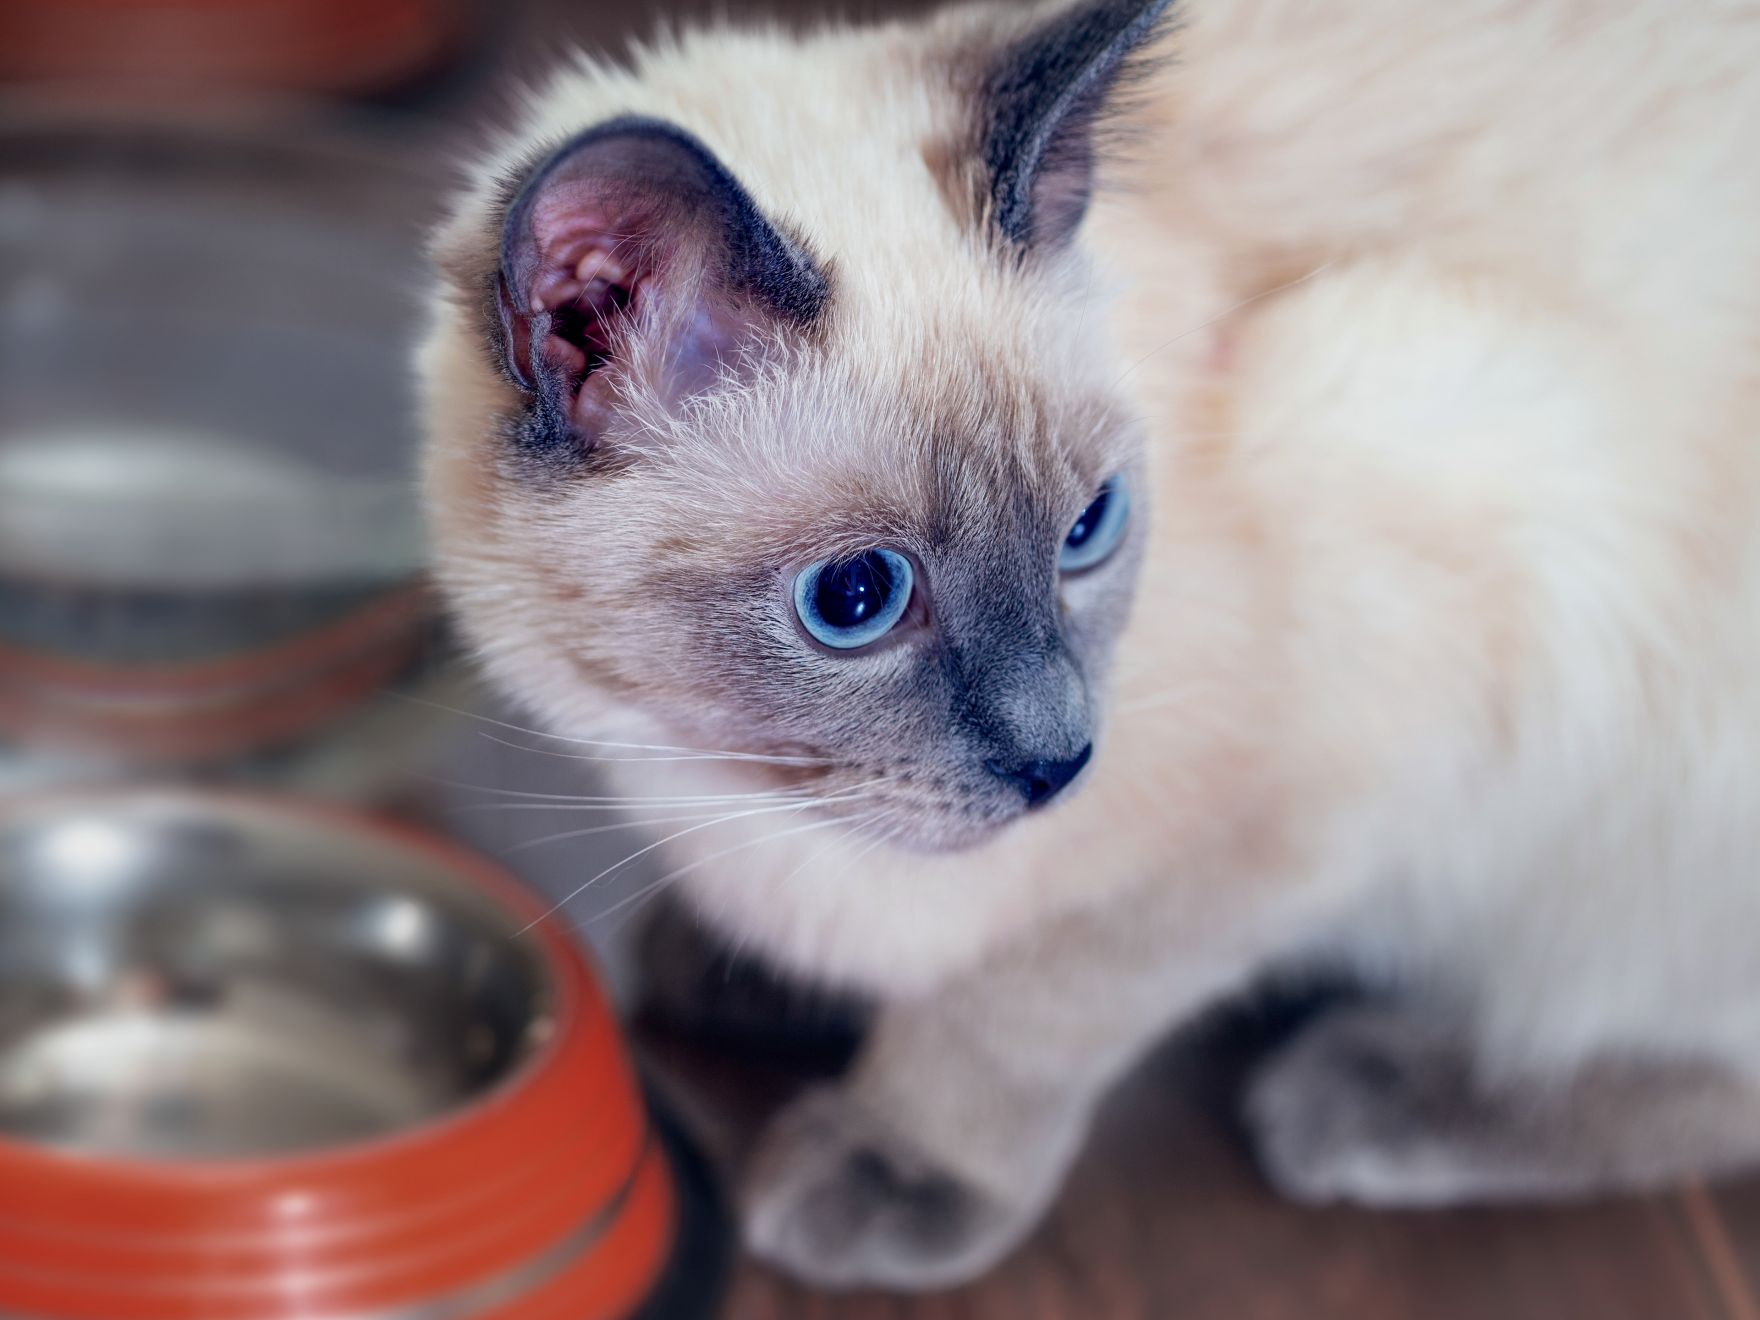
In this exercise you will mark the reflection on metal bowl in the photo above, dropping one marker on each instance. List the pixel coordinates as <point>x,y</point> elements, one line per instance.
<point>192,981</point>
<point>265,1062</point>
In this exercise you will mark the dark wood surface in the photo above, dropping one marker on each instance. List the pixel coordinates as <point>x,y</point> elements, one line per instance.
<point>1730,1229</point>
<point>1166,1217</point>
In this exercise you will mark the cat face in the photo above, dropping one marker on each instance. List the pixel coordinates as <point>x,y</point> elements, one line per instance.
<point>867,517</point>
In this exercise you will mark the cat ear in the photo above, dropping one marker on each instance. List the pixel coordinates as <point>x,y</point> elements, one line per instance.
<point>632,259</point>
<point>1045,102</point>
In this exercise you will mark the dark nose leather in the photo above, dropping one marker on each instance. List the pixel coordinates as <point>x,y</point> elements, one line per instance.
<point>1040,781</point>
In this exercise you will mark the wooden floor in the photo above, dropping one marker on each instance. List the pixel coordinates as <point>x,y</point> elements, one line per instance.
<point>1166,1218</point>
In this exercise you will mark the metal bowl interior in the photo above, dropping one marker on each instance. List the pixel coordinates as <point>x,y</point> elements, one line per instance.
<point>193,977</point>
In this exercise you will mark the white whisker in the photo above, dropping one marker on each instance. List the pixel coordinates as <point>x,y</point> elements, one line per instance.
<point>611,801</point>
<point>653,889</point>
<point>595,742</point>
<point>795,804</point>
<point>739,757</point>
<point>647,823</point>
<point>873,844</point>
<point>856,824</point>
<point>660,843</point>
<point>477,808</point>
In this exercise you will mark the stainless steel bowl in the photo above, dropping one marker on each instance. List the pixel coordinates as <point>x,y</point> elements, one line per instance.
<point>210,540</point>
<point>187,976</point>
<point>206,427</point>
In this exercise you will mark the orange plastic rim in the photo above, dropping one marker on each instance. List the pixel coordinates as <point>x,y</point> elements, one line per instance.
<point>391,614</point>
<point>546,1198</point>
<point>212,709</point>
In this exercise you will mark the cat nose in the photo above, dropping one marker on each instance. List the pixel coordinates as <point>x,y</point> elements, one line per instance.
<point>1040,781</point>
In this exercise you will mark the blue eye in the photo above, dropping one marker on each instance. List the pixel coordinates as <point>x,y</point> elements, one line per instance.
<point>850,603</point>
<point>1099,530</point>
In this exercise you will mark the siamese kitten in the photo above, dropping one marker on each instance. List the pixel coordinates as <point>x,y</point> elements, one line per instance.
<point>1135,500</point>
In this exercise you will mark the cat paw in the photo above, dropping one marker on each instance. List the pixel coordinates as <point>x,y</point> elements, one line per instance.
<point>838,1202</point>
<point>1363,1107</point>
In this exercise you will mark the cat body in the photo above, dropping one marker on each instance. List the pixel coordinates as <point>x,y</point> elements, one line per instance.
<point>1429,337</point>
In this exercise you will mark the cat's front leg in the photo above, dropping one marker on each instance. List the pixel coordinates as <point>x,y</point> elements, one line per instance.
<point>943,1148</point>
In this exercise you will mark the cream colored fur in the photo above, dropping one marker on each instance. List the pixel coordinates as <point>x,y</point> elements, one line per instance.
<point>1445,319</point>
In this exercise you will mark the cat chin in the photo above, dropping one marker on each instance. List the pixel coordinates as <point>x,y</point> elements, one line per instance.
<point>943,838</point>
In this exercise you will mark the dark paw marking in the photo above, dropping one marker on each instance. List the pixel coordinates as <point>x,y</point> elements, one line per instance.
<point>837,1203</point>
<point>1361,1108</point>
<point>916,1211</point>
<point>1371,1070</point>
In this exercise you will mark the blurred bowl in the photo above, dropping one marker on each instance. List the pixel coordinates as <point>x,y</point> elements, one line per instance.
<point>188,45</point>
<point>262,1061</point>
<point>209,534</point>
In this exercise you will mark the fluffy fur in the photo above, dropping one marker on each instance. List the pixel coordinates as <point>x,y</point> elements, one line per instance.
<point>1442,324</point>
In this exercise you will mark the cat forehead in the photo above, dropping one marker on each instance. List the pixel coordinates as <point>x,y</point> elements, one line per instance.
<point>827,461</point>
<point>833,131</point>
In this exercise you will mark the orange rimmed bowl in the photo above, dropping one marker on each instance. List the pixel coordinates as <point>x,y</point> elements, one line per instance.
<point>261,1061</point>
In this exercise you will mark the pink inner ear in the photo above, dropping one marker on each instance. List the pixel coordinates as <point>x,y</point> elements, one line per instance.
<point>586,285</point>
<point>598,277</point>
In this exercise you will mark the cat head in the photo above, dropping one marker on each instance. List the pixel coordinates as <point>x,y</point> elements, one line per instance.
<point>803,445</point>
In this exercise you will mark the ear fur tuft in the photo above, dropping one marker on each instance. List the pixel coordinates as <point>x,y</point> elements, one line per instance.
<point>1044,105</point>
